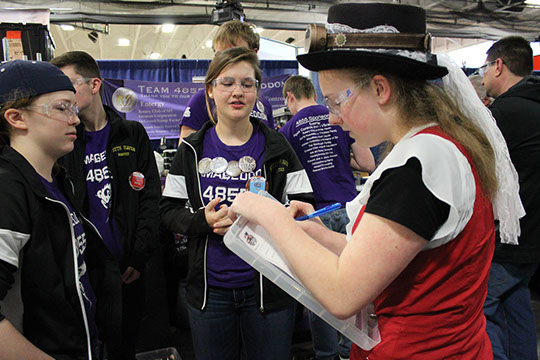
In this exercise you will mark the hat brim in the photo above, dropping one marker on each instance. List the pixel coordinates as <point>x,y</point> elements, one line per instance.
<point>393,64</point>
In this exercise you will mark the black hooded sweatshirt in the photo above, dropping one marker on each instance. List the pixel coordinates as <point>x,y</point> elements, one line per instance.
<point>517,112</point>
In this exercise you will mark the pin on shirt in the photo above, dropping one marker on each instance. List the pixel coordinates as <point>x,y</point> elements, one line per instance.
<point>218,165</point>
<point>256,184</point>
<point>137,181</point>
<point>233,168</point>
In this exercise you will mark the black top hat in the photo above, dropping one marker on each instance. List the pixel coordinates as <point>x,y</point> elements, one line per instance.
<point>386,37</point>
<point>22,78</point>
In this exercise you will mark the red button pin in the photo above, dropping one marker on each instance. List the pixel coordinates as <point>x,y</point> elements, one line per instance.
<point>137,181</point>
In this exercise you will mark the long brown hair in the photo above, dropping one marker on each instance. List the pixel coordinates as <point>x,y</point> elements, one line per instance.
<point>223,60</point>
<point>421,102</point>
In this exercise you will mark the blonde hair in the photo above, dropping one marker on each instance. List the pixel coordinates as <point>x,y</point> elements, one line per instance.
<point>420,102</point>
<point>223,60</point>
<point>230,32</point>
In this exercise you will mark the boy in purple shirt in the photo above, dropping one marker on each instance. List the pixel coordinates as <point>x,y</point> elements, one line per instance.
<point>233,33</point>
<point>117,183</point>
<point>48,250</point>
<point>324,152</point>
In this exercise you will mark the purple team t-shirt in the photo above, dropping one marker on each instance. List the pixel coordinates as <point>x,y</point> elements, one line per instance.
<point>196,114</point>
<point>88,295</point>
<point>224,268</point>
<point>324,152</point>
<point>99,189</point>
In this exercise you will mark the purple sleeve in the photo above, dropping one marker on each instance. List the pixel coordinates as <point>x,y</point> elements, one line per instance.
<point>351,140</point>
<point>268,111</point>
<point>195,115</point>
<point>286,131</point>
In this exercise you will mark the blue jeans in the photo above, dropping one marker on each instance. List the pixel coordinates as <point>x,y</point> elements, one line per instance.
<point>327,341</point>
<point>510,319</point>
<point>231,323</point>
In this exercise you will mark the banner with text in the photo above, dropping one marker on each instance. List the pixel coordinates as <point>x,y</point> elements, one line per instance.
<point>159,106</point>
<point>272,89</point>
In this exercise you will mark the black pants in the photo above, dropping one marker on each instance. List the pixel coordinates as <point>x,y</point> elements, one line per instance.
<point>122,346</point>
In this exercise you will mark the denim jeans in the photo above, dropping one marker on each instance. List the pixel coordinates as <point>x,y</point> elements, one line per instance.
<point>231,323</point>
<point>327,341</point>
<point>510,319</point>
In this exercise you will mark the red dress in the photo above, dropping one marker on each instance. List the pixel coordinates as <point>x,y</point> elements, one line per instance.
<point>433,309</point>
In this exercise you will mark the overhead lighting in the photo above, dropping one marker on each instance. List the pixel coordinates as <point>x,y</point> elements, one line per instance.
<point>532,2</point>
<point>167,28</point>
<point>123,42</point>
<point>208,43</point>
<point>67,27</point>
<point>155,56</point>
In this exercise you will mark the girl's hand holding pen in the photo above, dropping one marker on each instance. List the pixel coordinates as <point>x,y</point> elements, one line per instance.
<point>317,213</point>
<point>298,209</point>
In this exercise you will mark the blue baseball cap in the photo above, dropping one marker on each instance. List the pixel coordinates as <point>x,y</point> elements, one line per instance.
<point>23,78</point>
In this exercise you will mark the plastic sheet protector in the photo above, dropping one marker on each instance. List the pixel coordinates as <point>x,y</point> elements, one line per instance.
<point>253,244</point>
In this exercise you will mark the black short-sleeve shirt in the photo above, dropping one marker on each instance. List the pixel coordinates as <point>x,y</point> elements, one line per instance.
<point>400,195</point>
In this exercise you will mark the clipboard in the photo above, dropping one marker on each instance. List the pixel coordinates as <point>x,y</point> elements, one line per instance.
<point>253,245</point>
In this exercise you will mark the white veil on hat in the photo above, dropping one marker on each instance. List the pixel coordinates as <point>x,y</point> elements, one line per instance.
<point>507,206</point>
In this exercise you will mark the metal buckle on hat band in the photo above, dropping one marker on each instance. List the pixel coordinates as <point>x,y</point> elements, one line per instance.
<point>317,39</point>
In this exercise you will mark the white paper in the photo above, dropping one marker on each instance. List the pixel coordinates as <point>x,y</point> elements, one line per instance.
<point>258,239</point>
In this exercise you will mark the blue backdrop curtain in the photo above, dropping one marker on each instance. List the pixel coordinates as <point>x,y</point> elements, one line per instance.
<point>173,70</point>
<point>178,70</point>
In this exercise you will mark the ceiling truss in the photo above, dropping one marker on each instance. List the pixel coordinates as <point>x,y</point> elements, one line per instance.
<point>469,20</point>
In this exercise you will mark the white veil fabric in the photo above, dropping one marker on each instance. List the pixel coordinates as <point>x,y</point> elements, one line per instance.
<point>507,206</point>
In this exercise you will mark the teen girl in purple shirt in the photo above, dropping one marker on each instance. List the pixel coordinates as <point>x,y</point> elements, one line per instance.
<point>232,309</point>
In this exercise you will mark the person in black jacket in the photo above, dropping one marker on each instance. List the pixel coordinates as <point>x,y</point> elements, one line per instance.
<point>507,77</point>
<point>118,186</point>
<point>46,245</point>
<point>231,306</point>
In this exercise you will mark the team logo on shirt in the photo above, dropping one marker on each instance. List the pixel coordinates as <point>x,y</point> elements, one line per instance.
<point>259,105</point>
<point>105,195</point>
<point>81,287</point>
<point>258,111</point>
<point>187,113</point>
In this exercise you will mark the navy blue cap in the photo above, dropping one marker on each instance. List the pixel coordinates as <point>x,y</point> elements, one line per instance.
<point>23,78</point>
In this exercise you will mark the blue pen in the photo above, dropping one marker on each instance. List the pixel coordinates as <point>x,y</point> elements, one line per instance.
<point>324,210</point>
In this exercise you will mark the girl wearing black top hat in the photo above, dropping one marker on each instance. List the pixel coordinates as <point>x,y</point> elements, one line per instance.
<point>45,290</point>
<point>421,236</point>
